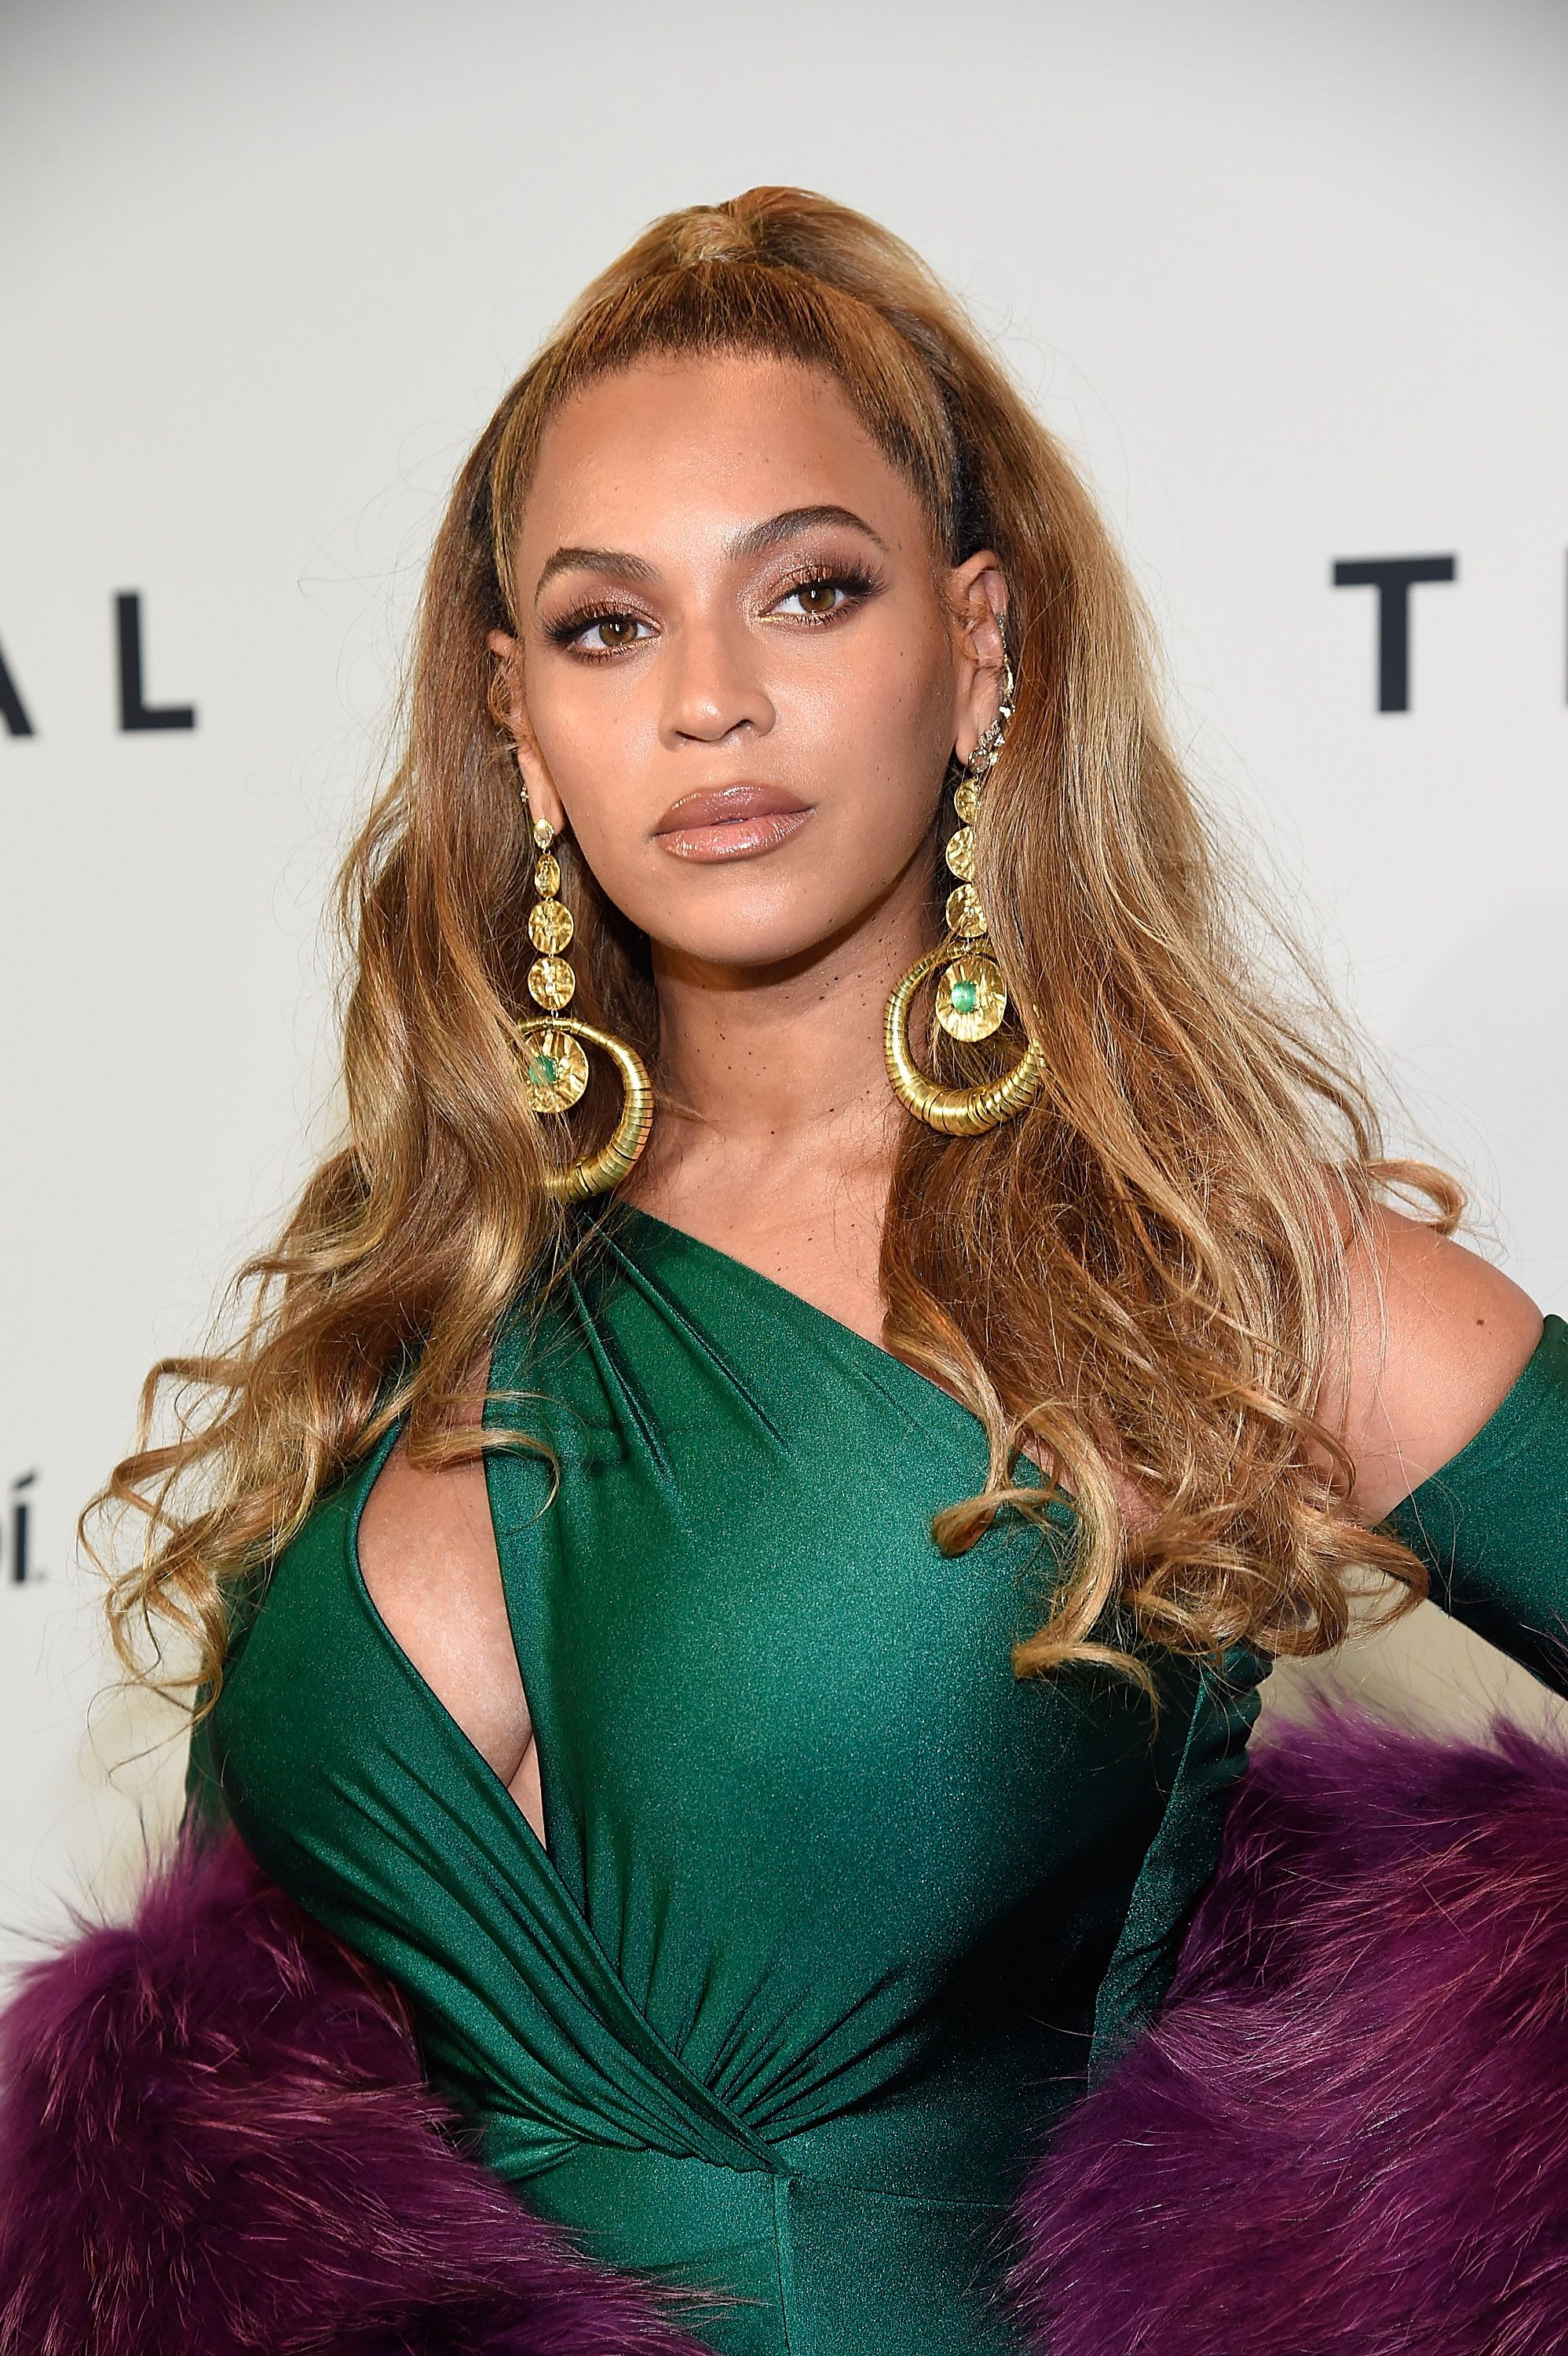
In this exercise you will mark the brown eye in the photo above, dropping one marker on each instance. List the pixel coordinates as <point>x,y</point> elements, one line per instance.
<point>605,633</point>
<point>825,596</point>
<point>817,597</point>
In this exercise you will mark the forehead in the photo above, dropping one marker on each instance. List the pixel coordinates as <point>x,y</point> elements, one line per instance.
<point>682,444</point>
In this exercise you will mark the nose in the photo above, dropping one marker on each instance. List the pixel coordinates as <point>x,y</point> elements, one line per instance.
<point>712,687</point>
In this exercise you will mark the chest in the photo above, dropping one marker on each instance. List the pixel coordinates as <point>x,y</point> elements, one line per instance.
<point>739,1637</point>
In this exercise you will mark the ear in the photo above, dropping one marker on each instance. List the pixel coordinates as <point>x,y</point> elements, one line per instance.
<point>510,710</point>
<point>978,595</point>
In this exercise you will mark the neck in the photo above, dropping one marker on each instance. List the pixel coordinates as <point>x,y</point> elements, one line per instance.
<point>771,1075</point>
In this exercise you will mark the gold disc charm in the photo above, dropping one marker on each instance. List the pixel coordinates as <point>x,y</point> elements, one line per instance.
<point>967,799</point>
<point>550,982</point>
<point>547,876</point>
<point>591,1174</point>
<point>550,924</point>
<point>971,998</point>
<point>964,914</point>
<point>961,854</point>
<point>959,1112</point>
<point>555,1069</point>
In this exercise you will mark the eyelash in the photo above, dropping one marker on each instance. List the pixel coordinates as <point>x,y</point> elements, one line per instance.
<point>854,580</point>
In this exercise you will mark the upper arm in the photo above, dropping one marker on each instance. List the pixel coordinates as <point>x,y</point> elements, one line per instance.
<point>1435,1339</point>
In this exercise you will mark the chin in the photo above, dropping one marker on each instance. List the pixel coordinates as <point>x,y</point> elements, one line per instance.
<point>752,948</point>
<point>744,927</point>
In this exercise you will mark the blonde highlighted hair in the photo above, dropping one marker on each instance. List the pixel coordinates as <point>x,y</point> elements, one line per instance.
<point>1140,1276</point>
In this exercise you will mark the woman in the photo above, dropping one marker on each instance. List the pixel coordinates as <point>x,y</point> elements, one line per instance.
<point>937,1319</point>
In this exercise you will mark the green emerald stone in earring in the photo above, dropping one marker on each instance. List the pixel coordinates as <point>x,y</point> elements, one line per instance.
<point>555,1069</point>
<point>971,998</point>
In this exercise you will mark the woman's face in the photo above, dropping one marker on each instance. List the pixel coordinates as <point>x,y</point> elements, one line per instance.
<point>741,669</point>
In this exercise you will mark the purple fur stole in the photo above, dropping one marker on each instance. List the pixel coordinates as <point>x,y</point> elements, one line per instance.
<point>215,2137</point>
<point>1346,2135</point>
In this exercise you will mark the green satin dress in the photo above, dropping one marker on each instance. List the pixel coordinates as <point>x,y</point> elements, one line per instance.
<point>834,1915</point>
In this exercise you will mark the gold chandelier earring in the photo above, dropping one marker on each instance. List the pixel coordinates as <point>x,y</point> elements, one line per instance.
<point>971,996</point>
<point>555,1065</point>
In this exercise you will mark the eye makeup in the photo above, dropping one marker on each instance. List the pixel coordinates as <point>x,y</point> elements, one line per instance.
<point>856,584</point>
<point>608,615</point>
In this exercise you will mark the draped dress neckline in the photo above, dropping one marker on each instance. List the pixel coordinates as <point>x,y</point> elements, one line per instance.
<point>833,1913</point>
<point>543,1879</point>
<point>947,1416</point>
<point>943,1405</point>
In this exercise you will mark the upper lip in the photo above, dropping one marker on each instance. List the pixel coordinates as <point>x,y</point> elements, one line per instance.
<point>711,805</point>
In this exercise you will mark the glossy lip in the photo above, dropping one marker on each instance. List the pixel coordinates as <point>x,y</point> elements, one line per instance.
<point>730,821</point>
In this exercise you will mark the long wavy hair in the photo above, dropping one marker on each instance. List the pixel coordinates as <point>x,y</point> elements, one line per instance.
<point>1140,1277</point>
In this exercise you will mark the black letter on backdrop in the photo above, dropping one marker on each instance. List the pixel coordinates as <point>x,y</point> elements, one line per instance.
<point>133,712</point>
<point>12,711</point>
<point>1393,577</point>
<point>21,1566</point>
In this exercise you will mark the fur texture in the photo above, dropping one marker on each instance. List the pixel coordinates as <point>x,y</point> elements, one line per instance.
<point>215,2138</point>
<point>1348,2134</point>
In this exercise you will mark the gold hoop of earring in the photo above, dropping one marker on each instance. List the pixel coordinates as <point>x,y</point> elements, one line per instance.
<point>555,1066</point>
<point>971,996</point>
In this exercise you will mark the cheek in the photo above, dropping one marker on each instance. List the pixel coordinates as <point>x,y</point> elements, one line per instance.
<point>601,749</point>
<point>882,733</point>
<point>862,730</point>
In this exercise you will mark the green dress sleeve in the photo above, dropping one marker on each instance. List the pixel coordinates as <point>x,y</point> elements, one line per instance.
<point>1491,1525</point>
<point>205,1808</point>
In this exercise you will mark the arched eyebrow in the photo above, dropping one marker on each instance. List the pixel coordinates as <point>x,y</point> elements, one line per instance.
<point>756,540</point>
<point>616,561</point>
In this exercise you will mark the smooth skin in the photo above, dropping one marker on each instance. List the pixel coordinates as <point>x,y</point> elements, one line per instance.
<point>721,583</point>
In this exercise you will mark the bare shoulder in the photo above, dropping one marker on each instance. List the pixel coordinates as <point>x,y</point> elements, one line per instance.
<point>1436,1338</point>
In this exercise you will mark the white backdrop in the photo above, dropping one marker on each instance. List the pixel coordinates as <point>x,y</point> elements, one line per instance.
<point>1288,277</point>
